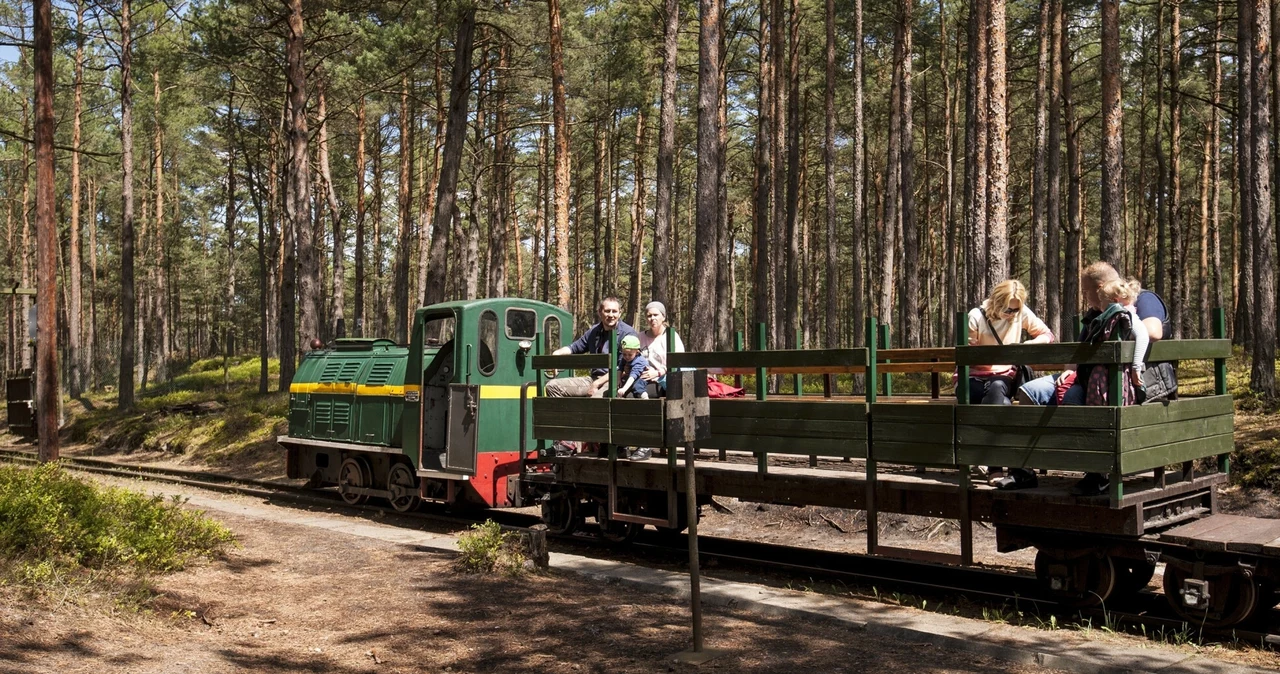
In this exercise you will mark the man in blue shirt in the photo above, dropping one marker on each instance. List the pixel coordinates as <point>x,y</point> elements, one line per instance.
<point>594,340</point>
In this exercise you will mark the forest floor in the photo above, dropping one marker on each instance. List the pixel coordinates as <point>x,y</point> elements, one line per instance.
<point>287,600</point>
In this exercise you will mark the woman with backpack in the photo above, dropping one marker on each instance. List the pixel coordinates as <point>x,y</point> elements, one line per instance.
<point>1002,319</point>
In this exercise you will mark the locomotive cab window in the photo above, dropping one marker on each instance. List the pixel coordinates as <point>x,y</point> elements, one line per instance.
<point>488,343</point>
<point>551,333</point>
<point>521,323</point>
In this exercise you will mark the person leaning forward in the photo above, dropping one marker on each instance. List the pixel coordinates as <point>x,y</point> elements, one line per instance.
<point>594,340</point>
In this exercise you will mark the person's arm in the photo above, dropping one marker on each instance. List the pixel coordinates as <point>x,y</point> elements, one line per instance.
<point>1040,333</point>
<point>1141,341</point>
<point>1155,328</point>
<point>975,327</point>
<point>622,390</point>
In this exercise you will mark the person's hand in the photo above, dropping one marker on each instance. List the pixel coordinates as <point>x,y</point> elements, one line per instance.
<point>649,374</point>
<point>1135,376</point>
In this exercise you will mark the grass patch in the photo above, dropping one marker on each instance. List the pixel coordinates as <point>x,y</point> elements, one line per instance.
<point>240,428</point>
<point>61,533</point>
<point>486,548</point>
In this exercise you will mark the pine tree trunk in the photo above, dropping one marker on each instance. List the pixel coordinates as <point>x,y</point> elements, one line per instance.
<point>859,290</point>
<point>560,118</point>
<point>726,244</point>
<point>75,307</point>
<point>47,398</point>
<point>128,299</point>
<point>337,321</point>
<point>232,223</point>
<point>1177,262</point>
<point>298,201</point>
<point>637,219</point>
<point>976,136</point>
<point>1071,300</point>
<point>790,310</point>
<point>832,336</point>
<point>1053,179</point>
<point>404,201</point>
<point>1262,379</point>
<point>1245,161</point>
<point>997,146</point>
<point>1109,228</point>
<point>708,214</point>
<point>498,234</point>
<point>762,262</point>
<point>893,171</point>
<point>358,292</point>
<point>1039,181</point>
<point>455,136</point>
<point>1215,211</point>
<point>910,320</point>
<point>665,191</point>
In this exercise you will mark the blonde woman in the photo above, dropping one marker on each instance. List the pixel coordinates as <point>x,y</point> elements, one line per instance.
<point>1002,319</point>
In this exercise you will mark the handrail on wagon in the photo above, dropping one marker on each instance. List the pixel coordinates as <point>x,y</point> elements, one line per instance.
<point>1106,353</point>
<point>574,361</point>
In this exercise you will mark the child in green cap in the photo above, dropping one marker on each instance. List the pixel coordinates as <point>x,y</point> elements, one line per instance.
<point>630,366</point>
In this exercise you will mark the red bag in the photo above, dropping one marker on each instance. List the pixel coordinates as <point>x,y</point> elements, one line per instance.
<point>717,389</point>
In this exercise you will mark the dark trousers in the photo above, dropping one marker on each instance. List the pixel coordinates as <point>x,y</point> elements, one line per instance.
<point>991,390</point>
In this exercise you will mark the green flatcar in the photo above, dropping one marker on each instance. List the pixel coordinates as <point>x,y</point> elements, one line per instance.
<point>378,419</point>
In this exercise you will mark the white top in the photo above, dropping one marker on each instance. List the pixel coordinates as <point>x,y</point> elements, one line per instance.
<point>655,349</point>
<point>1010,329</point>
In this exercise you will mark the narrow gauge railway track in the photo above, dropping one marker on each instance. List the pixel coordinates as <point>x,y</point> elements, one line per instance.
<point>1147,611</point>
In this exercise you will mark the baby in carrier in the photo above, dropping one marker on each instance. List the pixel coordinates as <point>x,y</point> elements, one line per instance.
<point>1119,321</point>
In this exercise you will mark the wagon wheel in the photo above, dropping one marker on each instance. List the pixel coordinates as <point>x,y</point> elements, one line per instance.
<point>1133,575</point>
<point>401,478</point>
<point>560,514</point>
<point>615,531</point>
<point>354,473</point>
<point>1233,595</point>
<point>1078,578</point>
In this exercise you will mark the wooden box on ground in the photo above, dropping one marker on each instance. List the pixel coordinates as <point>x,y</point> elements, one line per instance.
<point>817,427</point>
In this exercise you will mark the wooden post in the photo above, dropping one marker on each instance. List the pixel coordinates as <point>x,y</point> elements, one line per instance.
<point>886,378</point>
<point>798,379</point>
<point>962,398</point>
<point>1220,376</point>
<point>695,576</point>
<point>738,345</point>
<point>873,523</point>
<point>762,393</point>
<point>962,373</point>
<point>1115,393</point>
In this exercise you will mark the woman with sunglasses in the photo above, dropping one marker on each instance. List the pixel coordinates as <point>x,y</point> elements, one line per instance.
<point>1003,318</point>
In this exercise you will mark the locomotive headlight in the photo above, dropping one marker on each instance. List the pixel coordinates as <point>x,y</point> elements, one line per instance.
<point>525,345</point>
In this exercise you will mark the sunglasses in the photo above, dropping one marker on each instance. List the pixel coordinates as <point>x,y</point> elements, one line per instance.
<point>1009,312</point>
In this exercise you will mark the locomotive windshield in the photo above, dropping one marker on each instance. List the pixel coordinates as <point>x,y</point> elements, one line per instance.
<point>522,323</point>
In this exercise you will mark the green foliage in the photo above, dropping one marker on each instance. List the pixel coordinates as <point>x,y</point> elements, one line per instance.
<point>52,524</point>
<point>489,549</point>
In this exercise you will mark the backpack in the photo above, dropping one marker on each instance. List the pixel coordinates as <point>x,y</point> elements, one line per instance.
<point>1115,323</point>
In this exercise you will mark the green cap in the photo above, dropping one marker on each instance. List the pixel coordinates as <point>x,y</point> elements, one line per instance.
<point>630,342</point>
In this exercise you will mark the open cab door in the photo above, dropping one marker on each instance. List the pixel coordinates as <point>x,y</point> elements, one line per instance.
<point>464,425</point>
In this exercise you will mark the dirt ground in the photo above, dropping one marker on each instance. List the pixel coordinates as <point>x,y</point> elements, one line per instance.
<point>295,599</point>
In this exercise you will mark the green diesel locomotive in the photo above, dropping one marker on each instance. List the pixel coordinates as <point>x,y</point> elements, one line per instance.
<point>377,419</point>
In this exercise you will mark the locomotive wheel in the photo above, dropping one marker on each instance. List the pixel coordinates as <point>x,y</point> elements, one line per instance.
<point>1233,595</point>
<point>1133,575</point>
<point>560,514</point>
<point>615,531</point>
<point>401,477</point>
<point>1079,578</point>
<point>354,473</point>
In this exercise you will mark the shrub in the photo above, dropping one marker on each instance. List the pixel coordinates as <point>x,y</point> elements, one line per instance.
<point>487,548</point>
<point>51,522</point>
